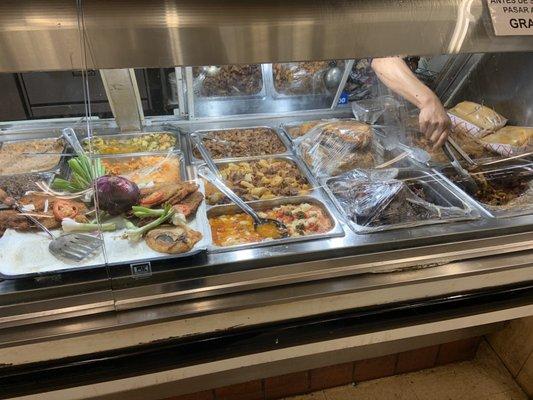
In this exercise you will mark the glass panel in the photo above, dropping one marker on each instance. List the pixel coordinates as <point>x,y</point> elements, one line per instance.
<point>266,88</point>
<point>50,246</point>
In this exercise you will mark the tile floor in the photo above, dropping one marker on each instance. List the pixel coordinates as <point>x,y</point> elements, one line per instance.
<point>484,378</point>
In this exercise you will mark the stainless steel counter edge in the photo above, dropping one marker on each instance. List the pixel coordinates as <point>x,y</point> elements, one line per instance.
<point>102,332</point>
<point>375,263</point>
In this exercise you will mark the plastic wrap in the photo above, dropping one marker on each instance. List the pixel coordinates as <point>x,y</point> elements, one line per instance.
<point>510,140</point>
<point>370,110</point>
<point>376,200</point>
<point>485,118</point>
<point>227,80</point>
<point>296,129</point>
<point>147,170</point>
<point>332,148</point>
<point>298,78</point>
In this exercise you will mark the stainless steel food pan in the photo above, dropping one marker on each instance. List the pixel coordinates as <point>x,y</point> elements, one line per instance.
<point>437,190</point>
<point>335,231</point>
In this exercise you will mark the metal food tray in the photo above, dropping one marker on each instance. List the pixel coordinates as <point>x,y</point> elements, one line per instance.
<point>289,158</point>
<point>259,205</point>
<point>279,134</point>
<point>112,134</point>
<point>176,153</point>
<point>199,223</point>
<point>442,194</point>
<point>489,210</point>
<point>55,169</point>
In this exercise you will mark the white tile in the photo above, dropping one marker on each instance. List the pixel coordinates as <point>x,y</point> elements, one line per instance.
<point>514,343</point>
<point>525,377</point>
<point>311,396</point>
<point>391,388</point>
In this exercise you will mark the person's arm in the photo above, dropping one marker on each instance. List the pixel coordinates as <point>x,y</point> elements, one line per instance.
<point>396,75</point>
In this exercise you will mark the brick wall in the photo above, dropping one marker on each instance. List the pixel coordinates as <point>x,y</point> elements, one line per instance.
<point>321,378</point>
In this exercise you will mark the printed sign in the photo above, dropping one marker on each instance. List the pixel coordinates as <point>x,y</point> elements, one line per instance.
<point>511,17</point>
<point>141,270</point>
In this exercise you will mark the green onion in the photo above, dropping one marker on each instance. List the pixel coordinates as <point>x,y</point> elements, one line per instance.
<point>84,172</point>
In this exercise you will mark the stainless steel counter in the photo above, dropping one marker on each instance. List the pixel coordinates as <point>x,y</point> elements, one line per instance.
<point>198,283</point>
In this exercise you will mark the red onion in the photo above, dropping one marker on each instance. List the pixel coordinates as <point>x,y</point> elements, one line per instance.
<point>116,194</point>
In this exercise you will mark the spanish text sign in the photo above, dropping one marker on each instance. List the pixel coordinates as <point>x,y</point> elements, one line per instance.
<point>511,17</point>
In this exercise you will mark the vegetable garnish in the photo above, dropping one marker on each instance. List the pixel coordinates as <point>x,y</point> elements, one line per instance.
<point>69,225</point>
<point>116,194</point>
<point>141,212</point>
<point>84,172</point>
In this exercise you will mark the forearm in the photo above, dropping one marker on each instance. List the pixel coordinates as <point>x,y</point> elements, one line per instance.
<point>397,76</point>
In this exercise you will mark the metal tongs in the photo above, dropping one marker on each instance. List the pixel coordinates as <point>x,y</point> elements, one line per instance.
<point>468,182</point>
<point>211,174</point>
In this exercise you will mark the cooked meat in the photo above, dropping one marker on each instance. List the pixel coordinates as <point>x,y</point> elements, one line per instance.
<point>189,204</point>
<point>242,143</point>
<point>186,189</point>
<point>230,80</point>
<point>12,219</point>
<point>171,194</point>
<point>172,239</point>
<point>260,180</point>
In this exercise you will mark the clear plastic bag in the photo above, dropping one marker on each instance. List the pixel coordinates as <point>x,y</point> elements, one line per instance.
<point>298,78</point>
<point>334,147</point>
<point>227,80</point>
<point>483,117</point>
<point>375,200</point>
<point>297,129</point>
<point>370,110</point>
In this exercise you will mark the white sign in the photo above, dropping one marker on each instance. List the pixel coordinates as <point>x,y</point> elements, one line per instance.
<point>511,17</point>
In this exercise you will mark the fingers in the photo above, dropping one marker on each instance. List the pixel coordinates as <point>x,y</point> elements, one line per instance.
<point>440,142</point>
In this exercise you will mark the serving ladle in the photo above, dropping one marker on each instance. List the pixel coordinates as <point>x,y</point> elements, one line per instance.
<point>267,228</point>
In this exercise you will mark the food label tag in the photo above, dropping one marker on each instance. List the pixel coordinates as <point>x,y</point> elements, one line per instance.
<point>343,99</point>
<point>141,270</point>
<point>511,17</point>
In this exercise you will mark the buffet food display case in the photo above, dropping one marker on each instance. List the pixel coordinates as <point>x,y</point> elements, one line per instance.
<point>111,228</point>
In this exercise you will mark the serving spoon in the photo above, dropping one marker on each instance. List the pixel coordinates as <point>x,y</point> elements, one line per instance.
<point>267,228</point>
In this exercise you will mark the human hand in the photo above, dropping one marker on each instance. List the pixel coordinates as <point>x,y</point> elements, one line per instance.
<point>434,122</point>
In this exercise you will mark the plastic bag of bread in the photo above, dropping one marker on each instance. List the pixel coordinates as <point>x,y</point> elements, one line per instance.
<point>510,140</point>
<point>485,118</point>
<point>512,135</point>
<point>335,147</point>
